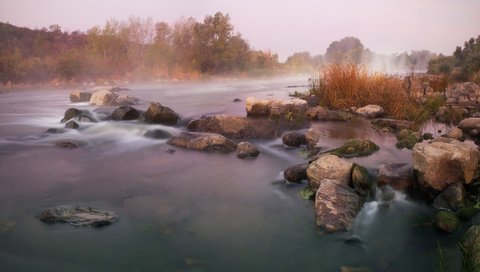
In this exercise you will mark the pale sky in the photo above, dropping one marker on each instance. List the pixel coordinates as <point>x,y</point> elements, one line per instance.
<point>283,26</point>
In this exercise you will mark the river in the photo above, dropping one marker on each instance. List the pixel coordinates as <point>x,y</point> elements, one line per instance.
<point>189,211</point>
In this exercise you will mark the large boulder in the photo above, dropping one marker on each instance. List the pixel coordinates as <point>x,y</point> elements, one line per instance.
<point>445,161</point>
<point>313,136</point>
<point>356,148</point>
<point>234,126</point>
<point>275,107</point>
<point>124,113</point>
<point>294,139</point>
<point>79,96</point>
<point>371,111</point>
<point>329,167</point>
<point>336,205</point>
<point>209,142</point>
<point>78,216</point>
<point>103,98</point>
<point>397,175</point>
<point>246,150</point>
<point>158,114</point>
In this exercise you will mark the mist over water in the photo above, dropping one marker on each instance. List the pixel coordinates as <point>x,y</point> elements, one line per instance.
<point>188,211</point>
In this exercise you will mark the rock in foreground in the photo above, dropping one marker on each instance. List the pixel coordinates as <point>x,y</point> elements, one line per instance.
<point>78,216</point>
<point>443,162</point>
<point>209,142</point>
<point>336,205</point>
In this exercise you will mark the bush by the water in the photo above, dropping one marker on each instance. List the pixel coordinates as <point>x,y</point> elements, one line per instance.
<point>344,86</point>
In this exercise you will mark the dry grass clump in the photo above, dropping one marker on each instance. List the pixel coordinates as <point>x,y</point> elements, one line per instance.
<point>345,86</point>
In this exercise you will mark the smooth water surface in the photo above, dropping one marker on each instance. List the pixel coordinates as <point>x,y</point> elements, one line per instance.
<point>188,211</point>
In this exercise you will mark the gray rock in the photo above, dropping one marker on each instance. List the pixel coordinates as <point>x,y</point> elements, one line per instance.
<point>125,113</point>
<point>294,139</point>
<point>56,130</point>
<point>451,198</point>
<point>157,134</point>
<point>78,115</point>
<point>78,216</point>
<point>246,150</point>
<point>72,125</point>
<point>397,175</point>
<point>67,144</point>
<point>236,127</point>
<point>336,205</point>
<point>158,114</point>
<point>296,173</point>
<point>210,142</point>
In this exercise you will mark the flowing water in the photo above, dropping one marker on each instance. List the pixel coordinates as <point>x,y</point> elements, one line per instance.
<point>189,211</point>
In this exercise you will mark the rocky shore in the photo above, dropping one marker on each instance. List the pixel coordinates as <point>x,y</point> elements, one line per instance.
<point>444,170</point>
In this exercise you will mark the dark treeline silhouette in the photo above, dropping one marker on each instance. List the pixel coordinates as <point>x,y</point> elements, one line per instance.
<point>133,49</point>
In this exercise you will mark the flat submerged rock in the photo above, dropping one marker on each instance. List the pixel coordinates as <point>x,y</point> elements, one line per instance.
<point>78,216</point>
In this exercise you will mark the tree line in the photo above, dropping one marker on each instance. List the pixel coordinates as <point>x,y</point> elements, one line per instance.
<point>462,65</point>
<point>134,48</point>
<point>139,48</point>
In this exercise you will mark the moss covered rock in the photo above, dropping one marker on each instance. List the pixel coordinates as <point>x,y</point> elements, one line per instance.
<point>361,182</point>
<point>408,138</point>
<point>447,221</point>
<point>471,244</point>
<point>356,148</point>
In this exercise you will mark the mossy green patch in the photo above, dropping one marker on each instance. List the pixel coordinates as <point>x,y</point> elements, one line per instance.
<point>408,138</point>
<point>356,148</point>
<point>447,221</point>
